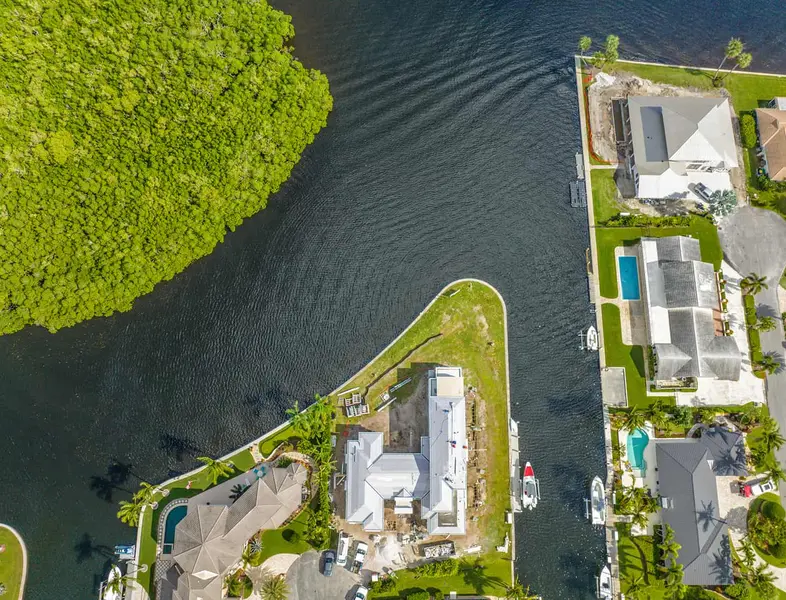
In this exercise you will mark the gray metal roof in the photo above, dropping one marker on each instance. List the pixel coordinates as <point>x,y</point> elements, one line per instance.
<point>669,130</point>
<point>686,484</point>
<point>681,283</point>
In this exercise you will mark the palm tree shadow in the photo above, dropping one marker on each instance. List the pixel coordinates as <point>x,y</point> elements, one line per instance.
<point>104,488</point>
<point>721,564</point>
<point>474,575</point>
<point>86,549</point>
<point>178,447</point>
<point>706,516</point>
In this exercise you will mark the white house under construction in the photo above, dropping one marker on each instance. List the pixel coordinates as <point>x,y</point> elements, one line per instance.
<point>437,475</point>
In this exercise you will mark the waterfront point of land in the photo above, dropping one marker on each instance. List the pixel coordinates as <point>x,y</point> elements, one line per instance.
<point>466,326</point>
<point>13,562</point>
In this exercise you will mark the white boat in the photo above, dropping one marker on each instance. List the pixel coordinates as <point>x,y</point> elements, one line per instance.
<point>109,591</point>
<point>597,502</point>
<point>530,488</point>
<point>604,584</point>
<point>592,338</point>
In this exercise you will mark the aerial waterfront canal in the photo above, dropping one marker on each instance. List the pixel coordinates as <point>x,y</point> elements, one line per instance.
<point>447,155</point>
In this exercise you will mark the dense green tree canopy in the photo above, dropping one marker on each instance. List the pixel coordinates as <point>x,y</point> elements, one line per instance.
<point>134,133</point>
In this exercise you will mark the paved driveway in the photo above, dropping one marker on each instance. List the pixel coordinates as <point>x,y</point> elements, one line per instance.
<point>306,581</point>
<point>754,241</point>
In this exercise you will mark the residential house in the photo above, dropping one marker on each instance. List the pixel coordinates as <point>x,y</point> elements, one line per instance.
<point>689,473</point>
<point>771,124</point>
<point>674,143</point>
<point>682,312</point>
<point>210,539</point>
<point>436,476</point>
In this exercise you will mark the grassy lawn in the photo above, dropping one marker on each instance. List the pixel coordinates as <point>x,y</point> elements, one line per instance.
<point>466,329</point>
<point>11,564</point>
<point>620,355</point>
<point>748,92</point>
<point>637,559</point>
<point>605,196</point>
<point>487,575</point>
<point>609,238</point>
<point>274,541</point>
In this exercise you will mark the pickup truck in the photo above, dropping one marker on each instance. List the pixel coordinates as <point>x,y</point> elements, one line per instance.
<point>360,557</point>
<point>758,488</point>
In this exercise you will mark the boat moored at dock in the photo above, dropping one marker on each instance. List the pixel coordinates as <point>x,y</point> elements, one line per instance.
<point>530,488</point>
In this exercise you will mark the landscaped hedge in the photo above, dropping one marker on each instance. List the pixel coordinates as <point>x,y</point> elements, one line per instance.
<point>748,131</point>
<point>648,221</point>
<point>419,595</point>
<point>773,510</point>
<point>444,568</point>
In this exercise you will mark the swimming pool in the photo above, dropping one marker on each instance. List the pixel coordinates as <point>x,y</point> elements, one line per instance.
<point>172,519</point>
<point>637,441</point>
<point>629,277</point>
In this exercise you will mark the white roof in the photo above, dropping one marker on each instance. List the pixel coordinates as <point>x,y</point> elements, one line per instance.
<point>437,475</point>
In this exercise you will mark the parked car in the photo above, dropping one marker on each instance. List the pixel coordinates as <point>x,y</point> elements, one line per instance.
<point>702,191</point>
<point>361,593</point>
<point>758,488</point>
<point>330,560</point>
<point>343,549</point>
<point>360,556</point>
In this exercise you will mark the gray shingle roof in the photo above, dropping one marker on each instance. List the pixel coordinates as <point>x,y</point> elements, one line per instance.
<point>210,538</point>
<point>686,484</point>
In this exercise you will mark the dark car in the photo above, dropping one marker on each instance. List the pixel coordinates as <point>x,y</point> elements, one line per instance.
<point>330,560</point>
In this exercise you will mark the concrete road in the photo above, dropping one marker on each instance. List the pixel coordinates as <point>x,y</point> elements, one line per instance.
<point>306,581</point>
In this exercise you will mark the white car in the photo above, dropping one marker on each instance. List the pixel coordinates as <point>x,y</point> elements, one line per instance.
<point>343,549</point>
<point>759,488</point>
<point>361,593</point>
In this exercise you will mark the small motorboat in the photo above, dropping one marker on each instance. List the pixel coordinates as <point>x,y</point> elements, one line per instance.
<point>592,338</point>
<point>111,589</point>
<point>603,582</point>
<point>596,509</point>
<point>530,488</point>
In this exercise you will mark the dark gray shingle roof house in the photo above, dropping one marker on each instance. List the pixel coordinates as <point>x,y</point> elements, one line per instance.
<point>687,471</point>
<point>683,312</point>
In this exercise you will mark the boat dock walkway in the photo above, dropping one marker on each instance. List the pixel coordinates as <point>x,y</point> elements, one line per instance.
<point>592,260</point>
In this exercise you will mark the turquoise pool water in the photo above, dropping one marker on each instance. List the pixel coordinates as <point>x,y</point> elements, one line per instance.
<point>629,277</point>
<point>172,519</point>
<point>637,441</point>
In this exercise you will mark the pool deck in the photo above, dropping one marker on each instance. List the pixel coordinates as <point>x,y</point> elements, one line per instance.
<point>634,478</point>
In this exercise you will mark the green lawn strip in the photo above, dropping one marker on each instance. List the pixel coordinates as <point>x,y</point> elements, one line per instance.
<point>605,197</point>
<point>267,445</point>
<point>754,441</point>
<point>754,337</point>
<point>620,355</point>
<point>636,559</point>
<point>485,575</point>
<point>11,564</point>
<point>608,238</point>
<point>466,330</point>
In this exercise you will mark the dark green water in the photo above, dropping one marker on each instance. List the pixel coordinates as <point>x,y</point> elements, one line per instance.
<point>447,155</point>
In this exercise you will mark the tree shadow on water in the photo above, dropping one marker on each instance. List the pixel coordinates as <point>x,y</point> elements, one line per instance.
<point>87,549</point>
<point>178,447</point>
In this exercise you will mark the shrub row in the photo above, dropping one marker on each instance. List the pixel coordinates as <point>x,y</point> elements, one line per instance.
<point>648,221</point>
<point>444,568</point>
<point>748,131</point>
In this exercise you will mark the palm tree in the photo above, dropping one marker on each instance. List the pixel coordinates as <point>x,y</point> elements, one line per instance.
<point>657,414</point>
<point>753,284</point>
<point>669,546</point>
<point>145,493</point>
<point>117,584</point>
<point>129,511</point>
<point>764,324</point>
<point>216,469</point>
<point>760,577</point>
<point>673,574</point>
<point>275,588</point>
<point>775,470</point>
<point>743,62</point>
<point>636,587</point>
<point>585,42</point>
<point>733,50</point>
<point>746,555</point>
<point>635,419</point>
<point>771,438</point>
<point>768,364</point>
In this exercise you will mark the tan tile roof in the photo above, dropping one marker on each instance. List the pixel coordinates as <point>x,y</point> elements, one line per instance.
<point>772,132</point>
